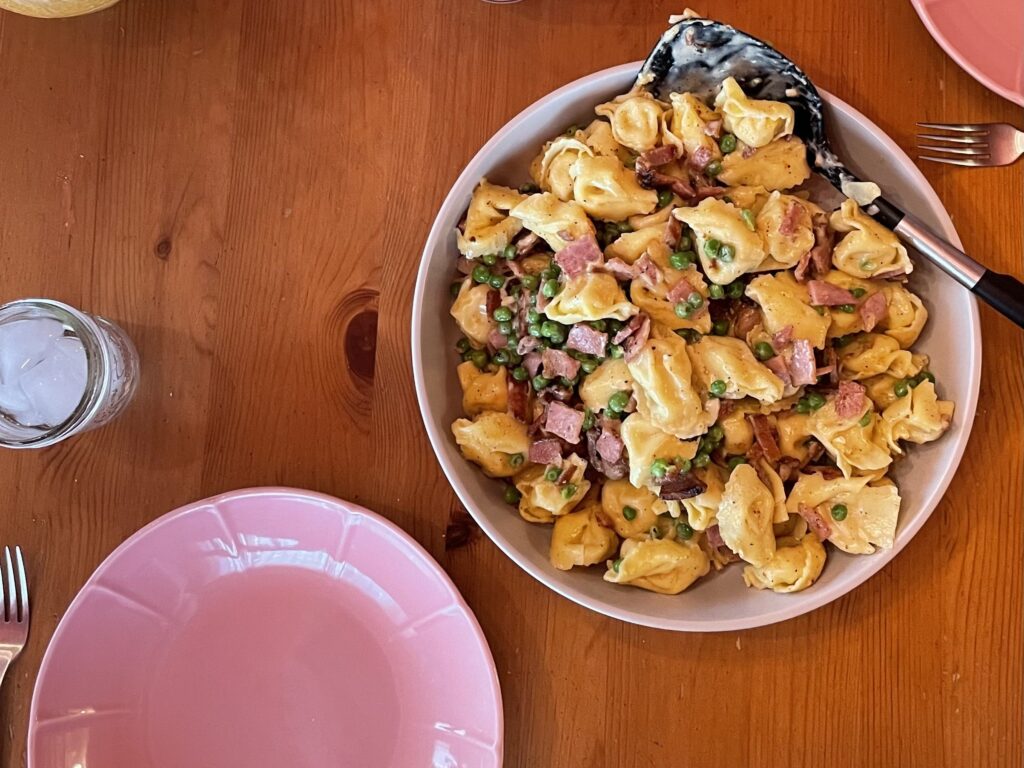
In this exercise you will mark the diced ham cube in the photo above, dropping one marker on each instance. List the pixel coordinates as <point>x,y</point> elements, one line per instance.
<point>564,422</point>
<point>585,339</point>
<point>578,255</point>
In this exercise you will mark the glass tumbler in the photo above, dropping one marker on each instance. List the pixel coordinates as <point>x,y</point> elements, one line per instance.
<point>62,372</point>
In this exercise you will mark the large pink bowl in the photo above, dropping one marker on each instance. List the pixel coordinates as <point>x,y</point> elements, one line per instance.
<point>267,628</point>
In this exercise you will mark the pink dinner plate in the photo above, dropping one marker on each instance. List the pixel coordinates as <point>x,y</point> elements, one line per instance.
<point>267,628</point>
<point>985,37</point>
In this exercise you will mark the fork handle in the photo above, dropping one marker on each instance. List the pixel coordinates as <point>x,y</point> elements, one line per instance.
<point>1001,292</point>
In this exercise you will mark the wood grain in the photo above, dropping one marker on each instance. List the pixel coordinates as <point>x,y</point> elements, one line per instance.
<point>246,186</point>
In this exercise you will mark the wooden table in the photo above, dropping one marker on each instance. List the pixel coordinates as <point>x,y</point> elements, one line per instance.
<point>246,186</point>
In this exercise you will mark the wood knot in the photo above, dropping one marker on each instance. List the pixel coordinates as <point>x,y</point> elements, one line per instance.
<point>361,344</point>
<point>162,249</point>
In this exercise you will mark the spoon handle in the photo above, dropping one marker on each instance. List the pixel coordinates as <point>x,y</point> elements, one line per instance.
<point>1002,292</point>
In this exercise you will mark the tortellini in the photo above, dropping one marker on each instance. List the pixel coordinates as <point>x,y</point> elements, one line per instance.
<point>905,317</point>
<point>609,377</point>
<point>702,509</point>
<point>686,126</point>
<point>549,217</point>
<point>598,136</point>
<point>496,441</point>
<point>872,510</point>
<point>470,312</point>
<point>644,508</point>
<point>870,354</point>
<point>635,119</point>
<point>645,442</point>
<point>918,417</point>
<point>607,190</point>
<point>490,226</point>
<point>663,387</point>
<point>553,168</point>
<point>723,358</point>
<point>655,302</point>
<point>482,390</point>
<point>793,567</point>
<point>785,302</point>
<point>590,297</point>
<point>722,221</point>
<point>857,448</point>
<point>781,164</point>
<point>867,248</point>
<point>579,538</point>
<point>543,500</point>
<point>755,122</point>
<point>745,516</point>
<point>785,224</point>
<point>659,565</point>
<point>630,246</point>
<point>737,433</point>
<point>794,429</point>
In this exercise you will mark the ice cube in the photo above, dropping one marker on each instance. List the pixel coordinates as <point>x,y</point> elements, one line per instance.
<point>55,386</point>
<point>17,406</point>
<point>23,343</point>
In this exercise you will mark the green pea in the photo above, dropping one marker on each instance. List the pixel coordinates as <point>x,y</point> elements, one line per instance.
<point>720,327</point>
<point>629,512</point>
<point>567,382</point>
<point>533,316</point>
<point>716,291</point>
<point>727,143</point>
<point>901,388</point>
<point>727,252</point>
<point>695,300</point>
<point>735,461</point>
<point>841,341</point>
<point>865,419</point>
<point>624,226</point>
<point>616,564</point>
<point>689,335</point>
<point>516,459</point>
<point>490,259</point>
<point>539,382</point>
<point>839,512</point>
<point>550,288</point>
<point>502,314</point>
<point>802,406</point>
<point>505,329</point>
<point>858,292</point>
<point>548,328</point>
<point>712,247</point>
<point>681,259</point>
<point>551,474</point>
<point>683,310</point>
<point>659,468</point>
<point>509,251</point>
<point>481,274</point>
<point>588,366</point>
<point>686,244</point>
<point>534,329</point>
<point>615,351</point>
<point>618,402</point>
<point>588,419</point>
<point>718,387</point>
<point>664,197</point>
<point>515,289</point>
<point>847,308</point>
<point>455,289</point>
<point>500,357</point>
<point>568,491</point>
<point>512,494</point>
<point>478,357</point>
<point>736,290</point>
<point>496,281</point>
<point>685,465</point>
<point>684,530</point>
<point>713,168</point>
<point>716,434</point>
<point>519,373</point>
<point>599,325</point>
<point>748,218</point>
<point>763,351</point>
<point>530,282</point>
<point>558,337</point>
<point>820,310</point>
<point>528,189</point>
<point>701,461</point>
<point>926,375</point>
<point>462,344</point>
<point>815,400</point>
<point>868,266</point>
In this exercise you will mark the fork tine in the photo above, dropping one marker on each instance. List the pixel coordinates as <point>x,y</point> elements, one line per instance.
<point>974,138</point>
<point>969,162</point>
<point>979,152</point>
<point>960,127</point>
<point>22,586</point>
<point>12,596</point>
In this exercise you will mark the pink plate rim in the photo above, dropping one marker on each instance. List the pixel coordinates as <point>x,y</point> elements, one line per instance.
<point>342,507</point>
<point>953,51</point>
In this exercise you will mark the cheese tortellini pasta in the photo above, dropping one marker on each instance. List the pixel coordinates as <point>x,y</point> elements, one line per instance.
<point>635,120</point>
<point>754,122</point>
<point>871,510</point>
<point>723,222</point>
<point>786,303</point>
<point>490,225</point>
<point>608,190</point>
<point>497,442</point>
<point>659,565</point>
<point>867,248</point>
<point>590,297</point>
<point>551,219</point>
<point>579,538</point>
<point>731,361</point>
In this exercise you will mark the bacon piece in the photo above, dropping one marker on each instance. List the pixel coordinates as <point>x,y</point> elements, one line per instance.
<point>493,301</point>
<point>745,318</point>
<point>660,155</point>
<point>628,329</point>
<point>765,436</point>
<point>892,274</point>
<point>578,255</point>
<point>566,475</point>
<point>528,344</point>
<point>648,271</point>
<point>872,310</point>
<point>714,535</point>
<point>558,363</point>
<point>826,471</point>
<point>851,397</point>
<point>632,346</point>
<point>527,243</point>
<point>700,157</point>
<point>831,367</point>
<point>564,422</point>
<point>619,269</point>
<point>817,261</point>
<point>801,363</point>
<point>673,231</point>
<point>783,337</point>
<point>610,446</point>
<point>532,361</point>
<point>515,268</point>
<point>497,339</point>
<point>612,470</point>
<point>713,128</point>
<point>828,295</point>
<point>649,178</point>
<point>817,523</point>
<point>519,399</point>
<point>585,339</point>
<point>777,365</point>
<point>790,218</point>
<point>684,486</point>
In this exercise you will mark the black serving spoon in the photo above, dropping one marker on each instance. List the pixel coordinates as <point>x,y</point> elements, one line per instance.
<point>696,55</point>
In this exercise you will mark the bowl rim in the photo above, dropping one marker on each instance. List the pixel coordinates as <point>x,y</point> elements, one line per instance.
<point>813,599</point>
